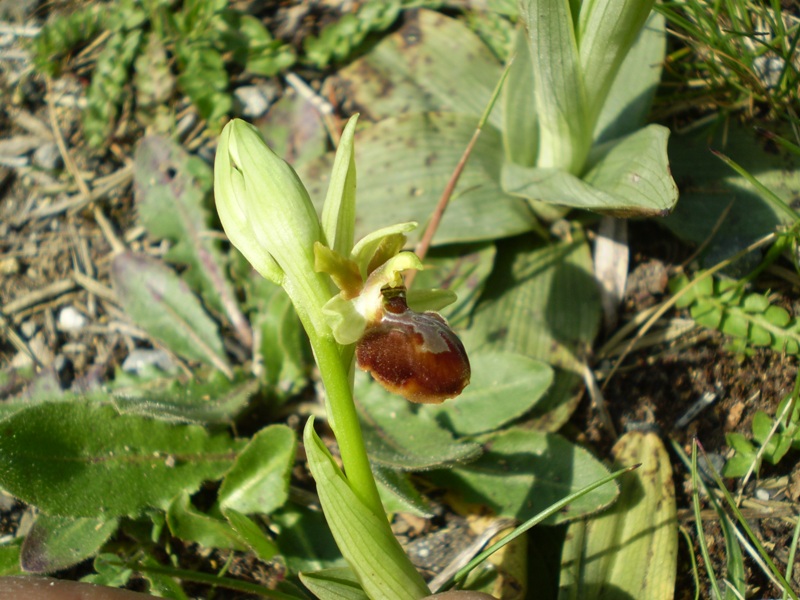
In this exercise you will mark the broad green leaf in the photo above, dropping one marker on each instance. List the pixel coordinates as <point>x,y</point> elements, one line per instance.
<point>109,571</point>
<point>708,191</point>
<point>606,31</point>
<point>397,437</point>
<point>631,95</point>
<point>251,534</point>
<point>405,162</point>
<point>160,302</point>
<point>641,528</point>
<point>433,63</point>
<point>84,459</point>
<point>171,188</point>
<point>627,177</point>
<point>460,269</point>
<point>9,557</point>
<point>217,400</point>
<point>338,219</point>
<point>283,346</point>
<point>334,584</point>
<point>398,494</point>
<point>189,524</point>
<point>56,543</point>
<point>565,125</point>
<point>365,539</point>
<point>541,301</point>
<point>258,482</point>
<point>524,471</point>
<point>504,386</point>
<point>521,124</point>
<point>304,539</point>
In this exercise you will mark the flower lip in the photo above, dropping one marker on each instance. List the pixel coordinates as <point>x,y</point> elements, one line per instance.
<point>415,355</point>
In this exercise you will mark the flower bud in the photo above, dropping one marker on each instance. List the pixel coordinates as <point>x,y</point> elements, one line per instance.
<point>413,354</point>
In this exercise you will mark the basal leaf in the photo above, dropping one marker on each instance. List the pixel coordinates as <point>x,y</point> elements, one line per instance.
<point>521,123</point>
<point>9,557</point>
<point>56,543</point>
<point>171,203</point>
<point>334,584</point>
<point>159,301</point>
<point>251,534</point>
<point>189,524</point>
<point>504,386</point>
<point>524,471</point>
<point>398,494</point>
<point>397,437</point>
<point>304,539</point>
<point>405,162</point>
<point>258,482</point>
<point>641,527</point>
<point>84,459</point>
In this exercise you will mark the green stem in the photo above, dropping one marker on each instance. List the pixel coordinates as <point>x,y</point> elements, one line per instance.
<point>344,420</point>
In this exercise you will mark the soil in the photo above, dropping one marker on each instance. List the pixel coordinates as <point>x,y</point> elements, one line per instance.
<point>48,233</point>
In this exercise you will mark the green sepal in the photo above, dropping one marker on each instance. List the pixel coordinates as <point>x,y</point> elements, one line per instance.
<point>379,243</point>
<point>339,211</point>
<point>343,271</point>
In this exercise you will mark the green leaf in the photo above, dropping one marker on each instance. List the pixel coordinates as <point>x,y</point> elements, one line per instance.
<point>405,162</point>
<point>304,539</point>
<point>521,123</point>
<point>171,203</point>
<point>433,63</point>
<point>9,557</point>
<point>462,269</point>
<point>398,437</point>
<point>565,125</point>
<point>124,465</point>
<point>159,301</point>
<point>251,534</point>
<point>338,219</point>
<point>631,95</point>
<point>504,386</point>
<point>398,494</point>
<point>189,524</point>
<point>627,177</point>
<point>56,543</point>
<point>334,584</point>
<point>364,538</point>
<point>524,471</point>
<point>258,482</point>
<point>641,527</point>
<point>606,32</point>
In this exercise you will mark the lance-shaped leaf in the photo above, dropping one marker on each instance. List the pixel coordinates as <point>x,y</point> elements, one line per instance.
<point>334,584</point>
<point>84,459</point>
<point>365,539</point>
<point>162,304</point>
<point>339,211</point>
<point>170,198</point>
<point>565,129</point>
<point>56,543</point>
<point>631,548</point>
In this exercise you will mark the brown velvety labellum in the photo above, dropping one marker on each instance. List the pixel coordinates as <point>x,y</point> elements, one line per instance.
<point>415,355</point>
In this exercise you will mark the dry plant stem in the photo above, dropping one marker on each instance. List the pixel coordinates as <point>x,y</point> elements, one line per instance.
<point>674,299</point>
<point>62,146</point>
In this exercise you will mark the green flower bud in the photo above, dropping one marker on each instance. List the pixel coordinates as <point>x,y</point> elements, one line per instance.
<point>267,214</point>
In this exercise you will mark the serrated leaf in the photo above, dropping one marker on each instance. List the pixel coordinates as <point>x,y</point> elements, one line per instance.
<point>398,438</point>
<point>364,538</point>
<point>159,301</point>
<point>504,386</point>
<point>84,459</point>
<point>334,584</point>
<point>398,494</point>
<point>171,202</point>
<point>56,543</point>
<point>524,471</point>
<point>258,481</point>
<point>251,534</point>
<point>405,162</point>
<point>187,523</point>
<point>641,527</point>
<point>627,177</point>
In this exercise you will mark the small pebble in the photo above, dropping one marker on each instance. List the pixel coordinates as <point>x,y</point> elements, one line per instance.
<point>28,328</point>
<point>252,101</point>
<point>48,157</point>
<point>138,360</point>
<point>762,494</point>
<point>69,319</point>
